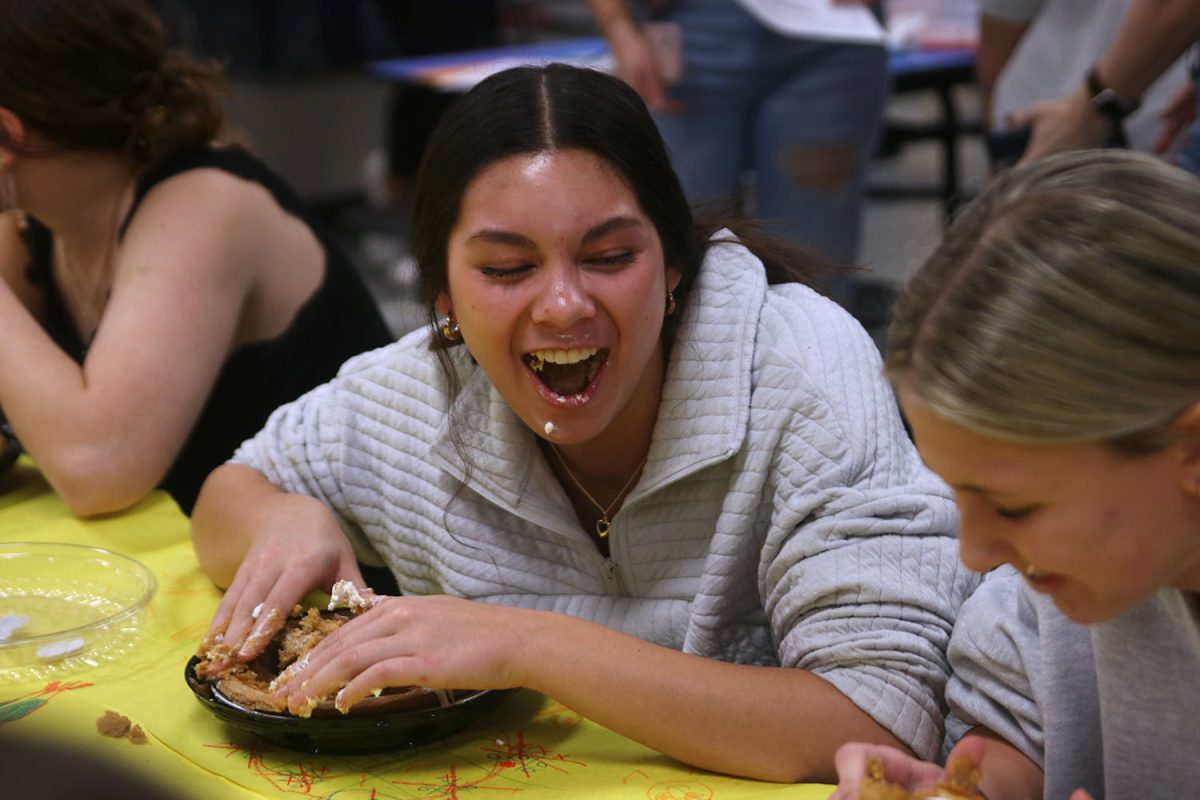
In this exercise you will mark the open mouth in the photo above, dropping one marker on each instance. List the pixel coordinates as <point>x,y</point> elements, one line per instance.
<point>566,372</point>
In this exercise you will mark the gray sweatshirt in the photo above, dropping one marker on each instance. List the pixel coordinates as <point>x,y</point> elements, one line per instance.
<point>1113,708</point>
<point>783,517</point>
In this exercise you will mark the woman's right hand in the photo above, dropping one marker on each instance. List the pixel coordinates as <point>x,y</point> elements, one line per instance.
<point>292,545</point>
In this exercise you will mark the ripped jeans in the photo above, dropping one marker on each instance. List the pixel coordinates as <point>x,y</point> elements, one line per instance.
<point>800,116</point>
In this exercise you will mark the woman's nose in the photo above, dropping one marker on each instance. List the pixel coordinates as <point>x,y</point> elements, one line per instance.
<point>564,298</point>
<point>981,546</point>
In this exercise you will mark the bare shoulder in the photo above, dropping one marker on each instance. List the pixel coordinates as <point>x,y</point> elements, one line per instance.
<point>203,197</point>
<point>206,216</point>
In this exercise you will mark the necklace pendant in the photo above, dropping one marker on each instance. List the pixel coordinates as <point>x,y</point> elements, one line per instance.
<point>602,527</point>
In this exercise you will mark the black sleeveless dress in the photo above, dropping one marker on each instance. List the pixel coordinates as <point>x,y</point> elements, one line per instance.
<point>339,320</point>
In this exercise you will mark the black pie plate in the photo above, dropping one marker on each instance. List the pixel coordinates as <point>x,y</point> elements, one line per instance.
<point>352,733</point>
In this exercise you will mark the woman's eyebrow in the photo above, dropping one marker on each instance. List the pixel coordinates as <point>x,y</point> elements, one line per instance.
<point>500,236</point>
<point>610,225</point>
<point>496,236</point>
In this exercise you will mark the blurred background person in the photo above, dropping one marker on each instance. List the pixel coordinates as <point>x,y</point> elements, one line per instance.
<point>414,109</point>
<point>38,767</point>
<point>792,99</point>
<point>1082,73</point>
<point>162,291</point>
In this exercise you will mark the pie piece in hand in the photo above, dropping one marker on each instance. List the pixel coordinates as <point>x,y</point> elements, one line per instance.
<point>960,782</point>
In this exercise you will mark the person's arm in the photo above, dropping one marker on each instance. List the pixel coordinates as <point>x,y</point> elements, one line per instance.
<point>1153,35</point>
<point>995,717</point>
<point>771,723</point>
<point>105,432</point>
<point>633,53</point>
<point>998,40</point>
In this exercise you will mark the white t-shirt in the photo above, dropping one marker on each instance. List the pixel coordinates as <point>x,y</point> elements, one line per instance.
<point>817,19</point>
<point>1064,39</point>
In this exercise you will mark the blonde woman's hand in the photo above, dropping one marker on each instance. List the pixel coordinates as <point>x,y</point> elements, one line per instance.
<point>435,641</point>
<point>898,768</point>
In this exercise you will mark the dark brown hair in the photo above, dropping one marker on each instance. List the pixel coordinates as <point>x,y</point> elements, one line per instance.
<point>98,75</point>
<point>557,107</point>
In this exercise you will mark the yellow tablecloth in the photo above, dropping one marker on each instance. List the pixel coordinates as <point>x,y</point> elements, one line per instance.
<point>529,747</point>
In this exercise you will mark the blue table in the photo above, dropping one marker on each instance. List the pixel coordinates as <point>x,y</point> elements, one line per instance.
<point>912,70</point>
<point>937,71</point>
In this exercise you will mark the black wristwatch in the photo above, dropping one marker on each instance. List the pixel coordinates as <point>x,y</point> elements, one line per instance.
<point>1108,102</point>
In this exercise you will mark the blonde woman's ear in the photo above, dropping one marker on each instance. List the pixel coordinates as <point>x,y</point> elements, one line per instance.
<point>1185,432</point>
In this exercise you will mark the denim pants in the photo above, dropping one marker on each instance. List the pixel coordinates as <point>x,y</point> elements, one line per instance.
<point>799,116</point>
<point>1188,156</point>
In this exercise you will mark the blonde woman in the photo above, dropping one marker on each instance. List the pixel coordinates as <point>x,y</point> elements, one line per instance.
<point>1048,359</point>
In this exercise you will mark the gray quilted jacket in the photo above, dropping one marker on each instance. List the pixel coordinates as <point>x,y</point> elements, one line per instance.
<point>783,517</point>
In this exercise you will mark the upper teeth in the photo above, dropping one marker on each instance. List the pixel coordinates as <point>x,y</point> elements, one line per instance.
<point>539,358</point>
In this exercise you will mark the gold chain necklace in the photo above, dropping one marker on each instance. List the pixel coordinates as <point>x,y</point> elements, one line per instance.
<point>88,301</point>
<point>603,524</point>
<point>91,301</point>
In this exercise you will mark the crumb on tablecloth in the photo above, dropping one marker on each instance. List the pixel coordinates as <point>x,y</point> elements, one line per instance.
<point>118,726</point>
<point>113,724</point>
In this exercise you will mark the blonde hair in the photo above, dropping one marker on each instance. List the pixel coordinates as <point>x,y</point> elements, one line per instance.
<point>1063,305</point>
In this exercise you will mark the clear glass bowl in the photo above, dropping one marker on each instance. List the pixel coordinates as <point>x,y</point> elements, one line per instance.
<point>72,607</point>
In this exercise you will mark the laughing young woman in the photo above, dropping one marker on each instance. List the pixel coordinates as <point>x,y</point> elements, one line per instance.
<point>1048,358</point>
<point>622,467</point>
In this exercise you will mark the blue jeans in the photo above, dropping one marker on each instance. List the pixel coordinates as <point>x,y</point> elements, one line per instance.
<point>1188,156</point>
<point>801,116</point>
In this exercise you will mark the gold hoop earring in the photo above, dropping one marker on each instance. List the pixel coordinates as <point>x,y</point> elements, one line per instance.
<point>670,302</point>
<point>450,329</point>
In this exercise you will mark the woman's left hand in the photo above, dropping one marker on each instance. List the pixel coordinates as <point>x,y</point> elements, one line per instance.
<point>1064,123</point>
<point>435,641</point>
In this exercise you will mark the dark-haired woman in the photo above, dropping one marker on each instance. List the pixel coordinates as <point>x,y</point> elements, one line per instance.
<point>627,465</point>
<point>160,293</point>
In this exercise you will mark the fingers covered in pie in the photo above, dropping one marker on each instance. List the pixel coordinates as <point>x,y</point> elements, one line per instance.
<point>960,781</point>
<point>254,684</point>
